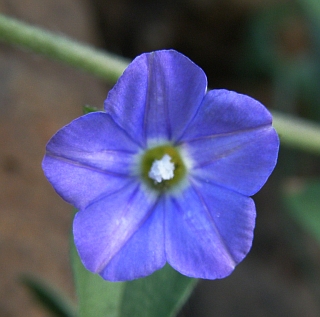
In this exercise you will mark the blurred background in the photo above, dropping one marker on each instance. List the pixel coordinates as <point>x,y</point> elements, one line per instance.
<point>268,49</point>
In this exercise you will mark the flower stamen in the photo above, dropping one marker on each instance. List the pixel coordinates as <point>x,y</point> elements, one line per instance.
<point>162,169</point>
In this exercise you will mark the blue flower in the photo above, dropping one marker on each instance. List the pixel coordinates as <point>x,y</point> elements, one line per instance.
<point>164,174</point>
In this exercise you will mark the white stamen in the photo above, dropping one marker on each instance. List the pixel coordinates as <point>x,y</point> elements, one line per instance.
<point>162,169</point>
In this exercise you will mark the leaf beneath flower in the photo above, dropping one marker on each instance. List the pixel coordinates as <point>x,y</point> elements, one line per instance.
<point>161,294</point>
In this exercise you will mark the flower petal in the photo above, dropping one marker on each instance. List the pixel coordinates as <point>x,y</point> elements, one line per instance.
<point>209,230</point>
<point>93,132</point>
<point>88,158</point>
<point>240,161</point>
<point>143,253</point>
<point>104,227</point>
<point>157,96</point>
<point>224,111</point>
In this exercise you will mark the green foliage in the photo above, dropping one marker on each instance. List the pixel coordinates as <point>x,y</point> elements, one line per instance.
<point>87,109</point>
<point>56,303</point>
<point>304,205</point>
<point>160,295</point>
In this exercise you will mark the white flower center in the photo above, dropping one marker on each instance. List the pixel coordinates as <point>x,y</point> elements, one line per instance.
<point>162,169</point>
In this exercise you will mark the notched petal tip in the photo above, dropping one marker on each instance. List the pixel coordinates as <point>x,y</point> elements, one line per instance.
<point>214,234</point>
<point>89,157</point>
<point>121,236</point>
<point>157,96</point>
<point>232,142</point>
<point>225,112</point>
<point>241,161</point>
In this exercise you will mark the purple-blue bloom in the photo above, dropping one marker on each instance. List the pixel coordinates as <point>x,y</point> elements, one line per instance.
<point>165,173</point>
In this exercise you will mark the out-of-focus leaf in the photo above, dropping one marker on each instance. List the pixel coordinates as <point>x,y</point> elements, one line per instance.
<point>312,7</point>
<point>161,294</point>
<point>56,303</point>
<point>303,201</point>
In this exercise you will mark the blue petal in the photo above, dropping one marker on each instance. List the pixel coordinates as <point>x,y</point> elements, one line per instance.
<point>224,111</point>
<point>231,142</point>
<point>209,230</point>
<point>157,96</point>
<point>88,158</point>
<point>103,229</point>
<point>241,161</point>
<point>143,253</point>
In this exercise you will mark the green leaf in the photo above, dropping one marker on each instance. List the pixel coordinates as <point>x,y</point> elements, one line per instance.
<point>87,109</point>
<point>303,200</point>
<point>161,294</point>
<point>96,297</point>
<point>56,303</point>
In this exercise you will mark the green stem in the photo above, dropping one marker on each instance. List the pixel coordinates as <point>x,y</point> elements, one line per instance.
<point>297,133</point>
<point>294,132</point>
<point>97,62</point>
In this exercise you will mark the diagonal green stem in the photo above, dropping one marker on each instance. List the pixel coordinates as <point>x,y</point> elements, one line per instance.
<point>294,132</point>
<point>97,62</point>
